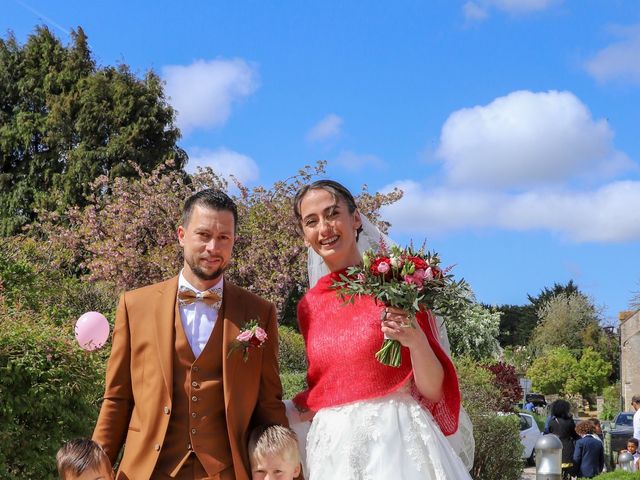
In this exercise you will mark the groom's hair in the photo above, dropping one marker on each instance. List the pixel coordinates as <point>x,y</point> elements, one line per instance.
<point>337,190</point>
<point>266,441</point>
<point>210,198</point>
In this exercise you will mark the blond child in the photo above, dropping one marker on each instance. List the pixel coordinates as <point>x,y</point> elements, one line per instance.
<point>273,453</point>
<point>83,459</point>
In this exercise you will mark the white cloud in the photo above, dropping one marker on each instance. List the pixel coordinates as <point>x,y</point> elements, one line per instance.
<point>474,12</point>
<point>225,162</point>
<point>326,129</point>
<point>479,9</point>
<point>618,61</point>
<point>356,162</point>
<point>203,92</point>
<point>606,214</point>
<point>525,139</point>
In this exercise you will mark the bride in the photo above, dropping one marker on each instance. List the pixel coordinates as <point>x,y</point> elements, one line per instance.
<point>370,421</point>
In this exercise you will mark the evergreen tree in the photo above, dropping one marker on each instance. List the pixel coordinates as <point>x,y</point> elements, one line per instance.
<point>64,122</point>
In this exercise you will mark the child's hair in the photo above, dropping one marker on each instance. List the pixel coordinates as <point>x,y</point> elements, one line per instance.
<point>594,421</point>
<point>634,441</point>
<point>274,440</point>
<point>585,428</point>
<point>80,455</point>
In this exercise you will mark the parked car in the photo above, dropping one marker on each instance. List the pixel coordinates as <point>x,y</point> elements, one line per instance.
<point>621,429</point>
<point>537,399</point>
<point>529,434</point>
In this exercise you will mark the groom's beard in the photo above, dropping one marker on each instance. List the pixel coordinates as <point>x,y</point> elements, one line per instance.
<point>207,276</point>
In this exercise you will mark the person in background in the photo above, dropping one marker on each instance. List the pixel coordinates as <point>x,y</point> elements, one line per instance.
<point>632,448</point>
<point>596,424</point>
<point>635,403</point>
<point>588,455</point>
<point>564,427</point>
<point>83,459</point>
<point>529,407</point>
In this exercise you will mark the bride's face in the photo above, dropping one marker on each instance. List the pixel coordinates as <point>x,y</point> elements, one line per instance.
<point>330,229</point>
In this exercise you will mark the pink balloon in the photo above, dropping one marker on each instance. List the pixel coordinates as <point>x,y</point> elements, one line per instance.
<point>92,330</point>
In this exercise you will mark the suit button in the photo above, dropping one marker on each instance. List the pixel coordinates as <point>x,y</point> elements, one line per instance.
<point>157,447</point>
<point>196,369</point>
<point>194,414</point>
<point>194,431</point>
<point>194,398</point>
<point>188,446</point>
<point>166,410</point>
<point>195,384</point>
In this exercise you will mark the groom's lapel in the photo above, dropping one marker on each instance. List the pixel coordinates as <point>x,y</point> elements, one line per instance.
<point>164,328</point>
<point>234,313</point>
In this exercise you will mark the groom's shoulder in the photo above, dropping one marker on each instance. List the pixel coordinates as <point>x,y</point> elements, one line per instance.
<point>247,296</point>
<point>169,285</point>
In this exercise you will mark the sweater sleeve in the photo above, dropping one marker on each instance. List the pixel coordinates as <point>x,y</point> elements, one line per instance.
<point>446,411</point>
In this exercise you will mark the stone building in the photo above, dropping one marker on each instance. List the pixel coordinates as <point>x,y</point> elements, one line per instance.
<point>629,356</point>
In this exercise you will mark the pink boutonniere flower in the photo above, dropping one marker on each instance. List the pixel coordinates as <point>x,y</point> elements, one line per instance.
<point>251,336</point>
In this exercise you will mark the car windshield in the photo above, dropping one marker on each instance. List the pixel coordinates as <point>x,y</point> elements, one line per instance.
<point>625,419</point>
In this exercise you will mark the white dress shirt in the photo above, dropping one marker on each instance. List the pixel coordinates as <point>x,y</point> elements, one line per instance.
<point>198,318</point>
<point>636,424</point>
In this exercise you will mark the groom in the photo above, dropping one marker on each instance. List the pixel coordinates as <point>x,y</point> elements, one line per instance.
<point>175,394</point>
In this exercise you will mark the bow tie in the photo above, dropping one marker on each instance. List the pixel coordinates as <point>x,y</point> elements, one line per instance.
<point>212,297</point>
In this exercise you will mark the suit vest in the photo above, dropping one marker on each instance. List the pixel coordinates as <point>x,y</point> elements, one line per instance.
<point>198,423</point>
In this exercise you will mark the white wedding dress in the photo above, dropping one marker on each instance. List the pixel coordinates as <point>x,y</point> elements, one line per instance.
<point>390,437</point>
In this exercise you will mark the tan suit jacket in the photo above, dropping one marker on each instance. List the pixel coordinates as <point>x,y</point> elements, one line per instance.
<point>138,390</point>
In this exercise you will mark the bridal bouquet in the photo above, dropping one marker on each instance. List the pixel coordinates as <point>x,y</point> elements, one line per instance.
<point>402,278</point>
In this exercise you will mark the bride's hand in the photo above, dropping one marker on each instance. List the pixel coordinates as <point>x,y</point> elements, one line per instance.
<point>399,325</point>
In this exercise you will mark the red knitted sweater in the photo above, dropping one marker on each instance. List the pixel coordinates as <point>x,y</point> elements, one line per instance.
<point>341,343</point>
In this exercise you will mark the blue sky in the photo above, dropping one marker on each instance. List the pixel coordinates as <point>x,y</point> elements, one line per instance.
<point>511,125</point>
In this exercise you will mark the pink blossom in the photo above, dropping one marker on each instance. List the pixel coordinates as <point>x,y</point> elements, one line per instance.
<point>245,336</point>
<point>360,277</point>
<point>428,274</point>
<point>383,267</point>
<point>261,334</point>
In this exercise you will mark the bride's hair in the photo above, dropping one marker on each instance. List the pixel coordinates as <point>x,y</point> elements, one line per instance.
<point>337,190</point>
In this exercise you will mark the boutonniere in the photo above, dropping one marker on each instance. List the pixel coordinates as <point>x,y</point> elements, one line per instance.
<point>251,336</point>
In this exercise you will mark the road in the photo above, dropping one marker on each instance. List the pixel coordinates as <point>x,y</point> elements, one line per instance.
<point>529,473</point>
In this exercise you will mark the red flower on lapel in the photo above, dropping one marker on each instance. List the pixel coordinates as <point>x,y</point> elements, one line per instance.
<point>251,336</point>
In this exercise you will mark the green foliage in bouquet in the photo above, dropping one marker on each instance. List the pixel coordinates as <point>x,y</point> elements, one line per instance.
<point>409,279</point>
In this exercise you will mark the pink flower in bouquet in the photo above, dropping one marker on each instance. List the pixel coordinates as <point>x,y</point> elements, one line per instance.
<point>428,274</point>
<point>383,267</point>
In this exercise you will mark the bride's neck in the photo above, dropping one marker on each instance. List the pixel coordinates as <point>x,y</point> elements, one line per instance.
<point>336,265</point>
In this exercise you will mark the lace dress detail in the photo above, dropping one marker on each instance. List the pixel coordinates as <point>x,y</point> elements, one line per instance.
<point>390,437</point>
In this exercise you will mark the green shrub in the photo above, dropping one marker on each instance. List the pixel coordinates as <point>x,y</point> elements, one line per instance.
<point>293,383</point>
<point>292,355</point>
<point>619,475</point>
<point>28,280</point>
<point>49,392</point>
<point>612,401</point>
<point>498,447</point>
<point>498,452</point>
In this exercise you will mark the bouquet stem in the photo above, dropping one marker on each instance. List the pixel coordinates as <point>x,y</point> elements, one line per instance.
<point>389,354</point>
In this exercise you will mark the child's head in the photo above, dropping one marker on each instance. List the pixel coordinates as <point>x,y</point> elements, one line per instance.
<point>585,428</point>
<point>632,445</point>
<point>273,452</point>
<point>83,459</point>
